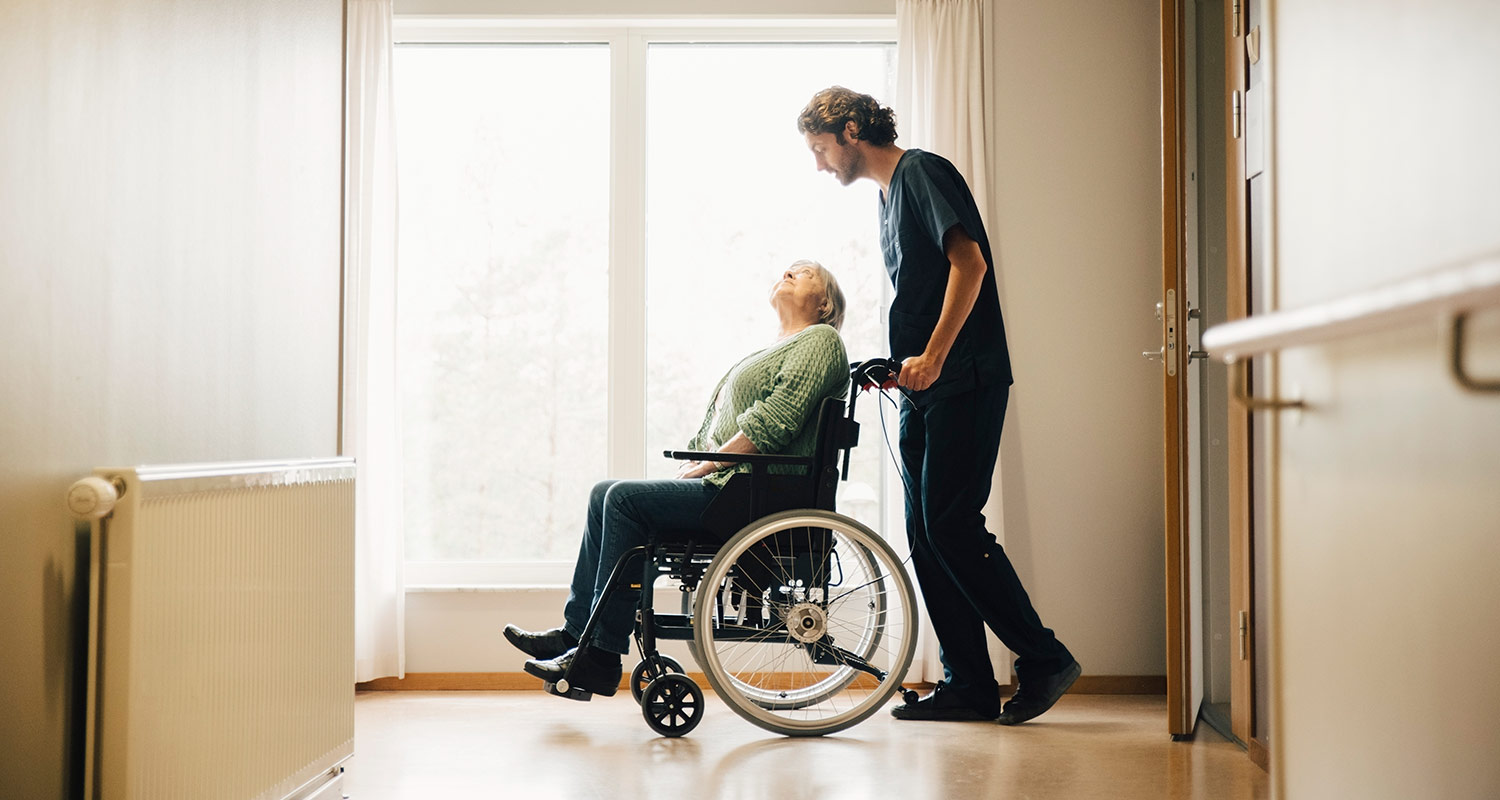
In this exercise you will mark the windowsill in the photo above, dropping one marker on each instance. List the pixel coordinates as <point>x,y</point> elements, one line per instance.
<point>487,576</point>
<point>433,588</point>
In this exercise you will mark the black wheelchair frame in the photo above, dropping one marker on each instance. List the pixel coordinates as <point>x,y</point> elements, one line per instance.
<point>672,703</point>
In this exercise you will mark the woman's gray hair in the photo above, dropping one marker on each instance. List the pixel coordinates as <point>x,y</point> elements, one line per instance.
<point>834,314</point>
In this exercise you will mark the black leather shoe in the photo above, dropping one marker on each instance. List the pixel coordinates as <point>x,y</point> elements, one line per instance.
<point>593,670</point>
<point>942,704</point>
<point>546,644</point>
<point>1032,700</point>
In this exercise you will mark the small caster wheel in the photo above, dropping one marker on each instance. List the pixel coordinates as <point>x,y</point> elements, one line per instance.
<point>672,704</point>
<point>910,696</point>
<point>645,672</point>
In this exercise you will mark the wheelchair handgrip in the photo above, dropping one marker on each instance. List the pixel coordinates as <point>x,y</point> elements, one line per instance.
<point>875,372</point>
<point>736,458</point>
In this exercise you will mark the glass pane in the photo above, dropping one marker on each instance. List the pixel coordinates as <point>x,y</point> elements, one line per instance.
<point>504,233</point>
<point>732,199</point>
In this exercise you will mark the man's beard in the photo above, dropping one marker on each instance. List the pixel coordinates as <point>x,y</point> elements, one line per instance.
<point>851,169</point>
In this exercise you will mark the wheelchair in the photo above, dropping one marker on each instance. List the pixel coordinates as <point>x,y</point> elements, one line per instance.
<point>802,619</point>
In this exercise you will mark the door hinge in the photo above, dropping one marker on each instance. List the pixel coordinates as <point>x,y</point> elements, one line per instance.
<point>1244,633</point>
<point>1234,29</point>
<point>1239,113</point>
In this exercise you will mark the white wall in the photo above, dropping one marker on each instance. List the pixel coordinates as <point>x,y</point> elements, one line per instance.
<point>1388,533</point>
<point>459,631</point>
<point>169,252</point>
<point>1075,233</point>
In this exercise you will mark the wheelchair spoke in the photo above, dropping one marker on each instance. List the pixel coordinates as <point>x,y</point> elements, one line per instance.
<point>853,589</point>
<point>784,648</point>
<point>763,664</point>
<point>756,635</point>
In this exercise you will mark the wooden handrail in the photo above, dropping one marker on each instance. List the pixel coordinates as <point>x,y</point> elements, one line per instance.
<point>1444,295</point>
<point>1433,296</point>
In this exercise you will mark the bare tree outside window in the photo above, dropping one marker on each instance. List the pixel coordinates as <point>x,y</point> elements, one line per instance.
<point>504,265</point>
<point>503,295</point>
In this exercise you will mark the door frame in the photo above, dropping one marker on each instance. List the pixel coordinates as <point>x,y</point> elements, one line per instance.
<point>1180,601</point>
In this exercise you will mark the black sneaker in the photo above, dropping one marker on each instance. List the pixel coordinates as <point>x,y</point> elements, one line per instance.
<point>944,705</point>
<point>1031,700</point>
<point>545,644</point>
<point>593,670</point>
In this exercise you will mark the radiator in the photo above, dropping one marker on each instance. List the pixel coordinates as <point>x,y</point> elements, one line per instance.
<point>221,630</point>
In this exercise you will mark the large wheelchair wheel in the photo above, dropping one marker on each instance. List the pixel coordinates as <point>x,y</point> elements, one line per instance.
<point>805,622</point>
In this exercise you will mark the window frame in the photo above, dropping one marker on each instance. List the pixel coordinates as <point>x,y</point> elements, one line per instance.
<point>628,41</point>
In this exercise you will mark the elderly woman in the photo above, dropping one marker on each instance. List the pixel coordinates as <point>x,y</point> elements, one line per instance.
<point>766,403</point>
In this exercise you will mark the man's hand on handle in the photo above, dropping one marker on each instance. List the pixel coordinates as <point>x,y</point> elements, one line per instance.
<point>919,372</point>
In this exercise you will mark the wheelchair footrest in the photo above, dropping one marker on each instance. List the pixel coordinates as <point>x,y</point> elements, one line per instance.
<point>572,693</point>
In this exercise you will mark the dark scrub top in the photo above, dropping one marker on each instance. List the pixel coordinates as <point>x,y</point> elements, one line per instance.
<point>926,198</point>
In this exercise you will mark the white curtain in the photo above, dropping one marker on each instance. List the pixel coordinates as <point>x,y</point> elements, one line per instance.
<point>941,85</point>
<point>370,390</point>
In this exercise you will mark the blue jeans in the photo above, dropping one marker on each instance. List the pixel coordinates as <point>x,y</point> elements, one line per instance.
<point>621,515</point>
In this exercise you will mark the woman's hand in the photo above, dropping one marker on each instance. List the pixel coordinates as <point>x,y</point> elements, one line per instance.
<point>740,443</point>
<point>697,469</point>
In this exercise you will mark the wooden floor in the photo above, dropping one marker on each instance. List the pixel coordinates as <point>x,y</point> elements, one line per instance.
<point>419,745</point>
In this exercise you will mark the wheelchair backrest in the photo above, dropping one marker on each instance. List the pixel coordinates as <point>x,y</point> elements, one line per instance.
<point>836,433</point>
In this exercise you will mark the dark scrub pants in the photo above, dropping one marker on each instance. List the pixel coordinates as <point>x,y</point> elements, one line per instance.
<point>948,448</point>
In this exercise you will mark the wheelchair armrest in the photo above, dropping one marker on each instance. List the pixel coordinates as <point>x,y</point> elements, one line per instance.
<point>737,458</point>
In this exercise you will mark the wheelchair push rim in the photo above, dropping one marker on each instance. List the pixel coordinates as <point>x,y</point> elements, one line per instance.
<point>820,640</point>
<point>866,648</point>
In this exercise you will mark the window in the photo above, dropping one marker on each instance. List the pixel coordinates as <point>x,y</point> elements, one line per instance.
<point>503,294</point>
<point>732,200</point>
<point>585,251</point>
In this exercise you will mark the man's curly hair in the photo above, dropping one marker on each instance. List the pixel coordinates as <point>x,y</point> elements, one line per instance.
<point>831,108</point>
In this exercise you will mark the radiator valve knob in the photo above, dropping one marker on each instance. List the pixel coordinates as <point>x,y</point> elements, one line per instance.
<point>92,497</point>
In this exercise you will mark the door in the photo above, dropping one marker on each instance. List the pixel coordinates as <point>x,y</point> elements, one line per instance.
<point>1206,439</point>
<point>1183,579</point>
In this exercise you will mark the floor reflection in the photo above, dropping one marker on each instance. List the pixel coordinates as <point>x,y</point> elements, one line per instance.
<point>522,744</point>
